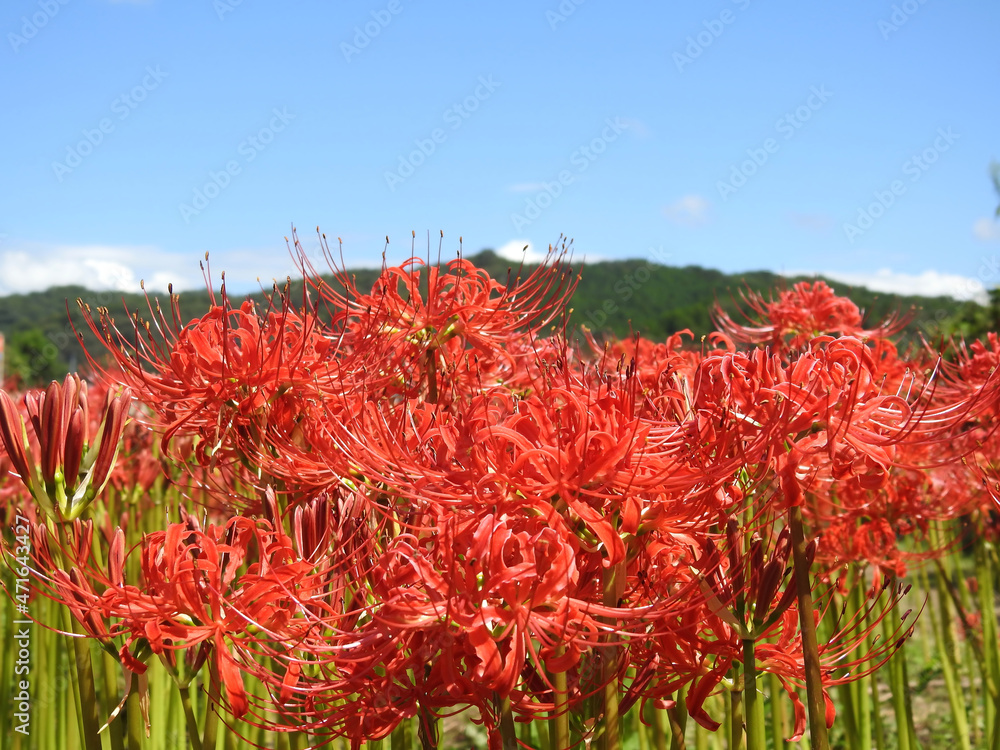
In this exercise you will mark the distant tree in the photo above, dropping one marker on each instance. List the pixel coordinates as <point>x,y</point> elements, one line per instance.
<point>972,320</point>
<point>33,359</point>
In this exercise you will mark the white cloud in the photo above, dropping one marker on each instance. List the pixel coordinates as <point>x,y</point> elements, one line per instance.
<point>926,284</point>
<point>987,230</point>
<point>518,250</point>
<point>34,266</point>
<point>514,251</point>
<point>26,267</point>
<point>691,210</point>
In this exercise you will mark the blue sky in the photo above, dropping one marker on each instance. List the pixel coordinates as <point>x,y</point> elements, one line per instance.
<point>851,138</point>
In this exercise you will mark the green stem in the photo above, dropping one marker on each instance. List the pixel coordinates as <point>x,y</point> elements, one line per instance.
<point>194,736</point>
<point>210,735</point>
<point>659,735</point>
<point>82,680</point>
<point>850,720</point>
<point>736,714</point>
<point>778,731</point>
<point>83,669</point>
<point>941,624</point>
<point>869,688</point>
<point>111,671</point>
<point>995,744</point>
<point>847,712</point>
<point>560,709</point>
<point>700,737</point>
<point>678,716</point>
<point>136,724</point>
<point>640,728</point>
<point>908,703</point>
<point>984,575</point>
<point>542,728</point>
<point>754,701</point>
<point>810,646</point>
<point>428,729</point>
<point>508,734</point>
<point>897,681</point>
<point>613,580</point>
<point>877,713</point>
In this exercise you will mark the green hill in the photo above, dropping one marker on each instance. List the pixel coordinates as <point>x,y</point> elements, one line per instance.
<point>617,297</point>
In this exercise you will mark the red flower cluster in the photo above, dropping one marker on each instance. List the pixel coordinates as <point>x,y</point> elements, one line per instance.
<point>466,512</point>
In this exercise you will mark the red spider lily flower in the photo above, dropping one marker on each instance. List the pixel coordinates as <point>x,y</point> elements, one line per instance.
<point>800,314</point>
<point>460,300</point>
<point>847,655</point>
<point>218,376</point>
<point>469,509</point>
<point>743,592</point>
<point>60,571</point>
<point>577,448</point>
<point>701,648</point>
<point>422,327</point>
<point>224,588</point>
<point>72,468</point>
<point>459,615</point>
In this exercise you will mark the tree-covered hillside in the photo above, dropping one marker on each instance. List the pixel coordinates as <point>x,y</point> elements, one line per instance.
<point>619,297</point>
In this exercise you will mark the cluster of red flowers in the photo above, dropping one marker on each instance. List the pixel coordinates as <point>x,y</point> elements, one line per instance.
<point>431,495</point>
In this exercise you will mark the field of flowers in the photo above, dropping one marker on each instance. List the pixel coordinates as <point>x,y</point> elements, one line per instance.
<point>341,519</point>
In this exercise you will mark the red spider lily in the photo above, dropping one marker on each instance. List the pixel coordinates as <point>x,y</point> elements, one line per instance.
<point>471,513</point>
<point>219,376</point>
<point>420,322</point>
<point>744,593</point>
<point>701,646</point>
<point>224,588</point>
<point>60,569</point>
<point>461,300</point>
<point>194,590</point>
<point>657,366</point>
<point>455,620</point>
<point>800,314</point>
<point>72,466</point>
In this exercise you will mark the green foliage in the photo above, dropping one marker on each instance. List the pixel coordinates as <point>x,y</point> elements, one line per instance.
<point>972,320</point>
<point>619,297</point>
<point>31,358</point>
